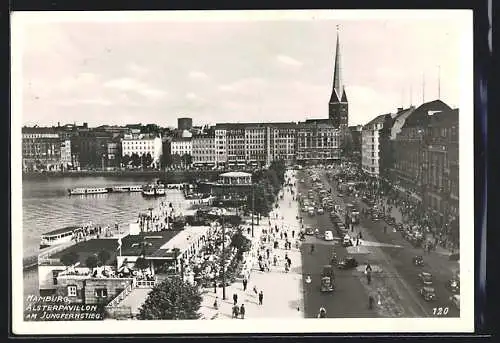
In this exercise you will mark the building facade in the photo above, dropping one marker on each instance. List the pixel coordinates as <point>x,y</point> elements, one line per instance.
<point>181,146</point>
<point>143,144</point>
<point>317,142</point>
<point>338,106</point>
<point>256,145</point>
<point>407,148</point>
<point>439,166</point>
<point>283,137</point>
<point>204,153</point>
<point>375,146</point>
<point>220,145</point>
<point>41,149</point>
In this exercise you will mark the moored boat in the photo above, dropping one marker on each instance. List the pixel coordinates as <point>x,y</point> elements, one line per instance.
<point>59,236</point>
<point>121,189</point>
<point>76,191</point>
<point>86,191</point>
<point>136,188</point>
<point>148,190</point>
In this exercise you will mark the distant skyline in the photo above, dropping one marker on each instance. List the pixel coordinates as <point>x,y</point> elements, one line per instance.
<point>212,70</point>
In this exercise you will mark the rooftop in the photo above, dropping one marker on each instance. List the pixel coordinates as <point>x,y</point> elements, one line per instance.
<point>182,240</point>
<point>132,245</point>
<point>90,247</point>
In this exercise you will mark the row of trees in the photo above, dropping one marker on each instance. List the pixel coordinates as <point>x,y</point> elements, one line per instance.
<point>267,184</point>
<point>136,160</point>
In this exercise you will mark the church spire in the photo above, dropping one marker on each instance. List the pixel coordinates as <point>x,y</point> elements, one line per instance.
<point>338,86</point>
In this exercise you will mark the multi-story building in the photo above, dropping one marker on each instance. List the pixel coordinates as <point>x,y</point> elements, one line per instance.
<point>181,146</point>
<point>256,144</point>
<point>407,148</point>
<point>338,106</point>
<point>354,150</point>
<point>41,149</point>
<point>283,137</point>
<point>317,142</point>
<point>439,165</point>
<point>203,153</point>
<point>184,123</point>
<point>90,148</point>
<point>66,156</point>
<point>220,145</point>
<point>113,154</point>
<point>143,144</point>
<point>374,142</point>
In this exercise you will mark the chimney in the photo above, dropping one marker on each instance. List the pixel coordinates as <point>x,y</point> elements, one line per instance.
<point>400,109</point>
<point>58,124</point>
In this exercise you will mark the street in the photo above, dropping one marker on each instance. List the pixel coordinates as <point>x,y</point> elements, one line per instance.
<point>395,288</point>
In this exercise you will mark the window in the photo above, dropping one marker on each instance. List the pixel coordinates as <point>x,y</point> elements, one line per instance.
<point>71,291</point>
<point>101,293</point>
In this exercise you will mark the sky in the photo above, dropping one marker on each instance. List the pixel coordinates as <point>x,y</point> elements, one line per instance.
<point>237,67</point>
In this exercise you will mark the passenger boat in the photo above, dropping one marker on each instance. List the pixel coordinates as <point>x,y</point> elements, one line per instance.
<point>76,191</point>
<point>148,190</point>
<point>160,189</point>
<point>135,188</point>
<point>121,189</point>
<point>86,191</point>
<point>59,236</point>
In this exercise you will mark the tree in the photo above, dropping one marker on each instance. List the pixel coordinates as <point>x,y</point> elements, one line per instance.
<point>125,160</point>
<point>103,256</point>
<point>147,160</point>
<point>176,160</point>
<point>187,160</point>
<point>136,160</point>
<point>141,263</point>
<point>240,242</point>
<point>91,262</point>
<point>70,258</point>
<point>173,299</point>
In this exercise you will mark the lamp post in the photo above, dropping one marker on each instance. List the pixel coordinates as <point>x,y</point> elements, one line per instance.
<point>253,206</point>
<point>223,259</point>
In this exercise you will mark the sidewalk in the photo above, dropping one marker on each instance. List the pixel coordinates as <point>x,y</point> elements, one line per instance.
<point>283,297</point>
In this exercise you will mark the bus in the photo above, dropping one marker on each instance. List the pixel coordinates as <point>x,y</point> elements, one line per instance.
<point>353,213</point>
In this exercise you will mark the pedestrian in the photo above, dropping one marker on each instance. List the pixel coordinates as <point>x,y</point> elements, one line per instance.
<point>275,260</point>
<point>235,298</point>
<point>236,311</point>
<point>245,282</point>
<point>268,252</point>
<point>312,248</point>
<point>215,287</point>
<point>261,297</point>
<point>286,235</point>
<point>248,231</point>
<point>370,302</point>
<point>281,235</point>
<point>255,290</point>
<point>293,233</point>
<point>360,235</point>
<point>216,305</point>
<point>242,311</point>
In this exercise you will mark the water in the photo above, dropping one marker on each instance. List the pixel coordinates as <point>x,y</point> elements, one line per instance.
<point>47,206</point>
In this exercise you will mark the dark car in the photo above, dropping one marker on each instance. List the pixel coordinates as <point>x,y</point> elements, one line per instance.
<point>453,285</point>
<point>428,293</point>
<point>310,231</point>
<point>348,263</point>
<point>425,278</point>
<point>418,261</point>
<point>390,220</point>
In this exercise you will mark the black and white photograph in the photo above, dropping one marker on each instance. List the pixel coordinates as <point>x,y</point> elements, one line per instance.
<point>242,172</point>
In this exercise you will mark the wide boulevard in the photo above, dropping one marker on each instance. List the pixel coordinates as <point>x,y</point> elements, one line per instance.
<point>394,286</point>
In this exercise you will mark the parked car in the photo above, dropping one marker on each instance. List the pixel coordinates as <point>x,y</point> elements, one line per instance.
<point>455,300</point>
<point>347,242</point>
<point>328,235</point>
<point>453,285</point>
<point>428,293</point>
<point>425,278</point>
<point>418,261</point>
<point>320,211</point>
<point>348,263</point>
<point>309,231</point>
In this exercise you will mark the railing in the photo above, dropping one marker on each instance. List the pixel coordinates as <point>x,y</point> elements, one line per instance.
<point>145,283</point>
<point>114,303</point>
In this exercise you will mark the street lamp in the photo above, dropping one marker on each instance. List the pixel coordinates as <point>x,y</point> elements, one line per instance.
<point>253,206</point>
<point>223,259</point>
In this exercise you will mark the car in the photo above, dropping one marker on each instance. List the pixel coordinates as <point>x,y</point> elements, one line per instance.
<point>428,293</point>
<point>348,263</point>
<point>418,261</point>
<point>309,231</point>
<point>346,243</point>
<point>320,211</point>
<point>455,300</point>
<point>425,278</point>
<point>453,285</point>
<point>328,235</point>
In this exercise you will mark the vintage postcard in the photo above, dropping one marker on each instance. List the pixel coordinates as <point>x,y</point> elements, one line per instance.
<point>253,171</point>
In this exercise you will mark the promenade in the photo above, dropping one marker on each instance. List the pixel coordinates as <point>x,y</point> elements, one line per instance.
<point>282,290</point>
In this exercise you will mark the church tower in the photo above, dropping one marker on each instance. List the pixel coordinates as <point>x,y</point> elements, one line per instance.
<point>338,109</point>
